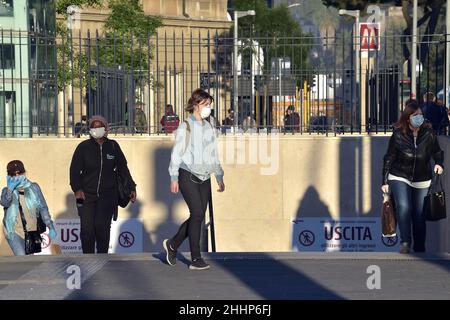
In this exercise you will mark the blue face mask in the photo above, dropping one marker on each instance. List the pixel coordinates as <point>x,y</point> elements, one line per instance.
<point>417,120</point>
<point>21,181</point>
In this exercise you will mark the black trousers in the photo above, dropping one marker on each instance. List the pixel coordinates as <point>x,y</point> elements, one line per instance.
<point>95,216</point>
<point>196,194</point>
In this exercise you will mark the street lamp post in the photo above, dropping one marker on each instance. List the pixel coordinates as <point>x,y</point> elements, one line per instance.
<point>280,64</point>
<point>447,54</point>
<point>237,15</point>
<point>414,52</point>
<point>279,83</point>
<point>355,14</point>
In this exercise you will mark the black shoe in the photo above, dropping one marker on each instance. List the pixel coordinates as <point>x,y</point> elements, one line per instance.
<point>199,264</point>
<point>171,255</point>
<point>404,247</point>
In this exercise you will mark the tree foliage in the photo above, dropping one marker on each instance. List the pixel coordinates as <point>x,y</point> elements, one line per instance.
<point>431,11</point>
<point>278,32</point>
<point>123,45</point>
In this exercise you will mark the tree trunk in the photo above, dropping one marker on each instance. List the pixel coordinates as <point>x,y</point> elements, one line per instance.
<point>428,37</point>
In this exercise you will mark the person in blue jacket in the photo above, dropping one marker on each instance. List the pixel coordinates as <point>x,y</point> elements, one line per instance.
<point>22,196</point>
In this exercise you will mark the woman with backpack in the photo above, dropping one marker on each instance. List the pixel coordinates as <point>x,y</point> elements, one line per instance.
<point>194,158</point>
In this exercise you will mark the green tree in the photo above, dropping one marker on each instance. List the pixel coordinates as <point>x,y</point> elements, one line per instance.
<point>124,43</point>
<point>278,33</point>
<point>62,5</point>
<point>428,22</point>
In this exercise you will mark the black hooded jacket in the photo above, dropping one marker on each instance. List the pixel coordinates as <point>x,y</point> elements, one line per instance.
<point>93,167</point>
<point>407,160</point>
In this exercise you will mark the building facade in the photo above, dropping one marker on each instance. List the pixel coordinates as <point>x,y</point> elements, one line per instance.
<point>27,66</point>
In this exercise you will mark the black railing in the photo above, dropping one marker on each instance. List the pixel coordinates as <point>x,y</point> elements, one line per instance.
<point>50,84</point>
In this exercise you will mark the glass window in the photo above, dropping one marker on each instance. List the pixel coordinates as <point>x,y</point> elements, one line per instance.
<point>7,60</point>
<point>6,8</point>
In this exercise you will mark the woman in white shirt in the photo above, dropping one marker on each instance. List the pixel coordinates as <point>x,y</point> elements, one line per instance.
<point>194,158</point>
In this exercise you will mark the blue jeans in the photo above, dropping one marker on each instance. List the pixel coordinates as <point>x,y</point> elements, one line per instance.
<point>17,245</point>
<point>409,204</point>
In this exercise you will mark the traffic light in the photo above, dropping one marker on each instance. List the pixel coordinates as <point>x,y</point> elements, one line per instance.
<point>313,84</point>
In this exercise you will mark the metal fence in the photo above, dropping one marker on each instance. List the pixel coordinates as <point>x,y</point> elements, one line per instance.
<point>336,83</point>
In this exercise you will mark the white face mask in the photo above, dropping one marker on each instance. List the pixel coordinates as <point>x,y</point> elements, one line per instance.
<point>205,113</point>
<point>97,133</point>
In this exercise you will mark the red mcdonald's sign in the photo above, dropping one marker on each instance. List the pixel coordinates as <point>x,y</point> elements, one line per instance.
<point>369,36</point>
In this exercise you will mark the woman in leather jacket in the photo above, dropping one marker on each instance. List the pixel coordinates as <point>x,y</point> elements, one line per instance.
<point>407,173</point>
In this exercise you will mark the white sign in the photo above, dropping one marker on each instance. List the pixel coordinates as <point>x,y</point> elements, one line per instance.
<point>346,235</point>
<point>126,237</point>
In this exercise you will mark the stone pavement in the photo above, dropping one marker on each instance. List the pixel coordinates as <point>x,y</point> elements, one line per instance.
<point>235,276</point>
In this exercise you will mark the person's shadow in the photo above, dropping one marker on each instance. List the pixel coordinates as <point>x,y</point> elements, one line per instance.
<point>162,194</point>
<point>311,206</point>
<point>71,209</point>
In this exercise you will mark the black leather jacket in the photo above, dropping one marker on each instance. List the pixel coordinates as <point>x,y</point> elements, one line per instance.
<point>404,159</point>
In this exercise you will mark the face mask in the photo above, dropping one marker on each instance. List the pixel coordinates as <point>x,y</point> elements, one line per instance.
<point>417,120</point>
<point>97,133</point>
<point>206,111</point>
<point>21,181</point>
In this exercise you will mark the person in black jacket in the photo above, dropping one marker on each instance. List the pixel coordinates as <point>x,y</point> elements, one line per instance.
<point>93,179</point>
<point>291,120</point>
<point>407,173</point>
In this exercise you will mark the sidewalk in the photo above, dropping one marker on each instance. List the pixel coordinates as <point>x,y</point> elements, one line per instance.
<point>232,276</point>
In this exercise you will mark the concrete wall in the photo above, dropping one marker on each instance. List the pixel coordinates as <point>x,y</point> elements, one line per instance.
<point>312,177</point>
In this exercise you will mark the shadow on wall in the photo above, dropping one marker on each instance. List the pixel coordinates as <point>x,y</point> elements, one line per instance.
<point>438,232</point>
<point>71,209</point>
<point>360,165</point>
<point>162,194</point>
<point>311,206</point>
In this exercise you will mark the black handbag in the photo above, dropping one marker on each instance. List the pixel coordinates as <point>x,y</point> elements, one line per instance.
<point>124,185</point>
<point>33,240</point>
<point>41,227</point>
<point>434,206</point>
<point>124,189</point>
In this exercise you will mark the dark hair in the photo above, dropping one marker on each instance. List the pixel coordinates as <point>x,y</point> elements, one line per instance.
<point>429,97</point>
<point>14,167</point>
<point>411,106</point>
<point>197,97</point>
